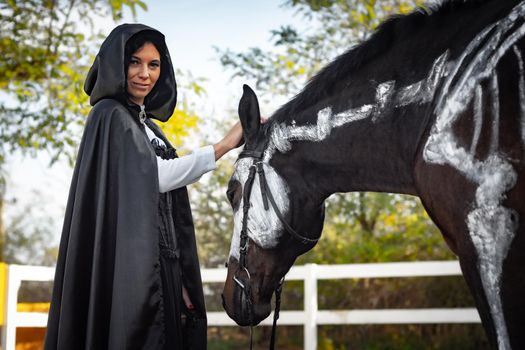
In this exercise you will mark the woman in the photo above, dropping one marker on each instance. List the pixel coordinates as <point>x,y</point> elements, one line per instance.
<point>128,275</point>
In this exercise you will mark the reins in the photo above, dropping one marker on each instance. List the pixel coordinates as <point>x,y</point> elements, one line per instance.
<point>244,282</point>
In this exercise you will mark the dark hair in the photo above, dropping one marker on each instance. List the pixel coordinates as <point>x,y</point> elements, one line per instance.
<point>138,40</point>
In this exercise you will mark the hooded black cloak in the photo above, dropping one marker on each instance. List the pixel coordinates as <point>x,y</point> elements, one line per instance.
<point>125,249</point>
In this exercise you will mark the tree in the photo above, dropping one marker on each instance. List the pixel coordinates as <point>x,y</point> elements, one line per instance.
<point>29,234</point>
<point>191,91</point>
<point>47,47</point>
<point>337,26</point>
<point>212,222</point>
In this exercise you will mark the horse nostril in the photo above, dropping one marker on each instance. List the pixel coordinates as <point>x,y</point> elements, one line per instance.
<point>223,302</point>
<point>226,264</point>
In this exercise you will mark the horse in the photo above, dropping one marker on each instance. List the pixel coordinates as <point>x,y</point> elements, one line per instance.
<point>431,105</point>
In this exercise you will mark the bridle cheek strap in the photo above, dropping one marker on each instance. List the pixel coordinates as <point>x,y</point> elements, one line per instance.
<point>267,195</point>
<point>246,296</point>
<point>244,284</point>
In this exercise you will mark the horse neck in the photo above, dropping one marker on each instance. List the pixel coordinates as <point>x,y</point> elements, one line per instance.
<point>364,138</point>
<point>370,154</point>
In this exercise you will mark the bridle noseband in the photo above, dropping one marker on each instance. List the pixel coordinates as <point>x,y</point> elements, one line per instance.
<point>244,282</point>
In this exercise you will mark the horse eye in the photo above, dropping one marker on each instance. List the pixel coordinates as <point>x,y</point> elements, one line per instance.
<point>230,194</point>
<point>233,193</point>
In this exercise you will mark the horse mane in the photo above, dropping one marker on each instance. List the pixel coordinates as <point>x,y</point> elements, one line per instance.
<point>324,83</point>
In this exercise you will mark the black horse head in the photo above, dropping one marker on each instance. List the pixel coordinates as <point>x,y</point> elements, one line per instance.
<point>284,218</point>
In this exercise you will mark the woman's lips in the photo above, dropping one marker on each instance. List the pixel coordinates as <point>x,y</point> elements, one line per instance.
<point>140,86</point>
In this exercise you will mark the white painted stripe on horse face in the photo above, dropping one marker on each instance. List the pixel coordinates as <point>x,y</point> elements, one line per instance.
<point>264,227</point>
<point>521,91</point>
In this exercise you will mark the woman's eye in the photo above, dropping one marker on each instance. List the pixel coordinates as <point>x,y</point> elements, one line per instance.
<point>134,61</point>
<point>154,64</point>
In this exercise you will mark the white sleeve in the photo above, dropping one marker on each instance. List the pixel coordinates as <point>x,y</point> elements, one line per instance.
<point>179,172</point>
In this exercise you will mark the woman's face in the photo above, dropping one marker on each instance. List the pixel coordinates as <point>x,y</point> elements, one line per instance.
<point>143,72</point>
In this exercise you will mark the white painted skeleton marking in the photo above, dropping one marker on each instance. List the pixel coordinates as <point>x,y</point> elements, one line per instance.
<point>494,87</point>
<point>478,119</point>
<point>263,226</point>
<point>424,90</point>
<point>491,225</point>
<point>420,92</point>
<point>521,90</point>
<point>384,94</point>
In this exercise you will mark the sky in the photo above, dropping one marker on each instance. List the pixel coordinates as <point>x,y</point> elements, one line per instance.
<point>192,30</point>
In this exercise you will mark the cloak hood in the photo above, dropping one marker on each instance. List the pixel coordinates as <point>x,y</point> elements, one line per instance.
<point>107,76</point>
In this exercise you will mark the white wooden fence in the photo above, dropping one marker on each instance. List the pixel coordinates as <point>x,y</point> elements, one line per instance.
<point>309,318</point>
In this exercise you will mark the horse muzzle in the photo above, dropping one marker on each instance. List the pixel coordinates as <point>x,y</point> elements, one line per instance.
<point>240,302</point>
<point>241,313</point>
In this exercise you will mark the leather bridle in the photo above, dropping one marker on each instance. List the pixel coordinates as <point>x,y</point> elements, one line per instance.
<point>242,275</point>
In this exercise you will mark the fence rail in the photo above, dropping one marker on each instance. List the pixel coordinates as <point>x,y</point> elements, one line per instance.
<point>309,318</point>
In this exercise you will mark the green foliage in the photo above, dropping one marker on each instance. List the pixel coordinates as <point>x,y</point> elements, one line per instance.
<point>28,235</point>
<point>213,227</point>
<point>190,92</point>
<point>298,56</point>
<point>404,337</point>
<point>46,48</point>
<point>377,227</point>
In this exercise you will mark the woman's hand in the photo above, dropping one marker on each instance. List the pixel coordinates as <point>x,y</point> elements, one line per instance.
<point>186,298</point>
<point>230,141</point>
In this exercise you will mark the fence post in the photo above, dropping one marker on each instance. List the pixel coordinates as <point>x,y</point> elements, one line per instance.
<point>3,300</point>
<point>9,331</point>
<point>310,307</point>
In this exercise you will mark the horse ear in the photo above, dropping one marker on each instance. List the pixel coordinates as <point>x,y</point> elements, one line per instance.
<point>249,114</point>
